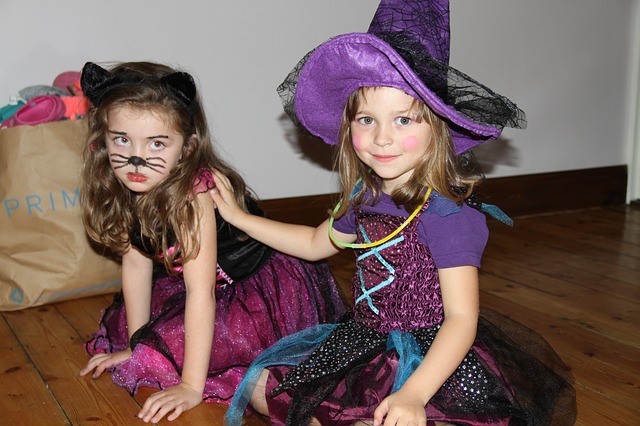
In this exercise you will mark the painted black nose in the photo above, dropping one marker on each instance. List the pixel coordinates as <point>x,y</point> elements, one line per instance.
<point>136,161</point>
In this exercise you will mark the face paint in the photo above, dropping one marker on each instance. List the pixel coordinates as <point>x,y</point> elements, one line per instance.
<point>410,142</point>
<point>136,162</point>
<point>142,148</point>
<point>357,142</point>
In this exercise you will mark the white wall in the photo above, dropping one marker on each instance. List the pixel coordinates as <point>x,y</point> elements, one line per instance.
<point>565,62</point>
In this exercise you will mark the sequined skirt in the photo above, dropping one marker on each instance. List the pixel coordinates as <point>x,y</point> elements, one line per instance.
<point>287,295</point>
<point>511,376</point>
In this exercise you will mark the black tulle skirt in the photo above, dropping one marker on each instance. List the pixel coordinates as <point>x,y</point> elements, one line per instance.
<point>511,376</point>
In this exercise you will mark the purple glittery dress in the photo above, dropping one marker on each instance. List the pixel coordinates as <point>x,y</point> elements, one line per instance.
<point>345,373</point>
<point>261,296</point>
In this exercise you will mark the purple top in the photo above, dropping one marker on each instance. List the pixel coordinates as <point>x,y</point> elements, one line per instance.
<point>455,235</point>
<point>396,285</point>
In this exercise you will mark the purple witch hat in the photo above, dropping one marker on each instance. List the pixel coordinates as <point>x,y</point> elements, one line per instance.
<point>406,47</point>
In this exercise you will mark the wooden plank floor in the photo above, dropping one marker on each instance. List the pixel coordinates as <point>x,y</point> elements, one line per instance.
<point>572,276</point>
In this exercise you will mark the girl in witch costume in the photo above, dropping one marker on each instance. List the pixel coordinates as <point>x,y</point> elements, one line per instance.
<point>416,349</point>
<point>200,300</point>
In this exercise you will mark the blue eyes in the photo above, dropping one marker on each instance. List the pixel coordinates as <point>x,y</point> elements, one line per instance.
<point>403,121</point>
<point>365,120</point>
<point>400,121</point>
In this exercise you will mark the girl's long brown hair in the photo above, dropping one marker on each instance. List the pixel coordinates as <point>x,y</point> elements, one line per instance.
<point>439,169</point>
<point>110,209</point>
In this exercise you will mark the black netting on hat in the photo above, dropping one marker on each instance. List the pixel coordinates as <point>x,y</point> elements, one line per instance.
<point>426,21</point>
<point>455,88</point>
<point>287,90</point>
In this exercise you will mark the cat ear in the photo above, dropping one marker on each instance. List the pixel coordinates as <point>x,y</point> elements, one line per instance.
<point>95,81</point>
<point>183,87</point>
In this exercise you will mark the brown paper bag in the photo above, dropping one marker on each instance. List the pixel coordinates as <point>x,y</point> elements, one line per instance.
<point>45,255</point>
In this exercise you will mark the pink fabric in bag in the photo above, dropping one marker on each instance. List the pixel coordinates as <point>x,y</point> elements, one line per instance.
<point>40,109</point>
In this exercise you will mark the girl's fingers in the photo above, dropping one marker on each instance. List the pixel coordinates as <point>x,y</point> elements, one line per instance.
<point>93,363</point>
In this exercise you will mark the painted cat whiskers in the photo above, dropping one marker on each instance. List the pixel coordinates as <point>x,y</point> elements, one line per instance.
<point>136,162</point>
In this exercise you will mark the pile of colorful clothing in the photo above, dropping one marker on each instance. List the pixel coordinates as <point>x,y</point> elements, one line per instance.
<point>63,100</point>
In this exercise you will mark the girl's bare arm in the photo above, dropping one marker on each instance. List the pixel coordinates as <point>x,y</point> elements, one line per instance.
<point>301,241</point>
<point>460,296</point>
<point>199,276</point>
<point>137,270</point>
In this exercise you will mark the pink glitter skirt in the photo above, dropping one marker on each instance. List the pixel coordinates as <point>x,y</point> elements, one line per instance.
<point>287,295</point>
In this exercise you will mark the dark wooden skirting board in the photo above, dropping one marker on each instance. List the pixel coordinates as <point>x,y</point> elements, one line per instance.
<point>516,195</point>
<point>557,191</point>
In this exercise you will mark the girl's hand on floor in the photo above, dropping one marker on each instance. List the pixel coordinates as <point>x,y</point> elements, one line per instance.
<point>178,399</point>
<point>102,362</point>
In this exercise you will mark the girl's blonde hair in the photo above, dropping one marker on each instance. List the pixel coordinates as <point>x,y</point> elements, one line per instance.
<point>439,169</point>
<point>110,210</point>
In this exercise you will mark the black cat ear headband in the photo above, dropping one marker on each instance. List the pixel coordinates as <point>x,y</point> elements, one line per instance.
<point>97,81</point>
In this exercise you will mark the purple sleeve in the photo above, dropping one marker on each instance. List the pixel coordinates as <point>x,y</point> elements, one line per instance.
<point>346,223</point>
<point>456,239</point>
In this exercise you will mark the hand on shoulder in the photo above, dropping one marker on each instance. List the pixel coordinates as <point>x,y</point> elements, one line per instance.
<point>224,199</point>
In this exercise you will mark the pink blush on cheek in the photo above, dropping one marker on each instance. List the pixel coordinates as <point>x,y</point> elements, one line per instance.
<point>410,142</point>
<point>357,143</point>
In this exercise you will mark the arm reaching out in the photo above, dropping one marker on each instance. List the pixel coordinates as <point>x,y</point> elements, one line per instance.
<point>300,241</point>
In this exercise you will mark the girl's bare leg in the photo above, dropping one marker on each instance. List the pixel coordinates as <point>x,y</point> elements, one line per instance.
<point>258,398</point>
